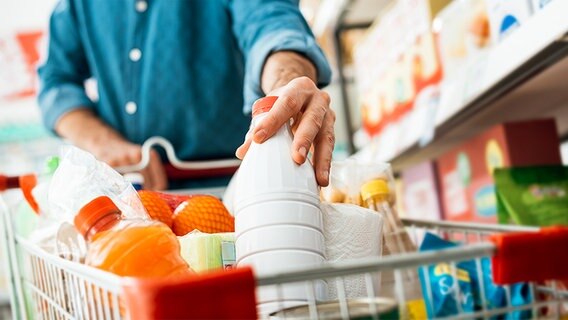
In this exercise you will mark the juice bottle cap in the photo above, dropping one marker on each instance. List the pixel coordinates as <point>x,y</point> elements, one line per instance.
<point>374,188</point>
<point>91,213</point>
<point>263,105</point>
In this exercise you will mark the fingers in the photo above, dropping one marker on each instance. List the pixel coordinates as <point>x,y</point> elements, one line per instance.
<point>323,149</point>
<point>243,149</point>
<point>156,173</point>
<point>309,125</point>
<point>122,154</point>
<point>291,100</point>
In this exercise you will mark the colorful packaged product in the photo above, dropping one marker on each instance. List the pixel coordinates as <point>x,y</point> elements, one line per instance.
<point>442,286</point>
<point>536,196</point>
<point>505,16</point>
<point>465,173</point>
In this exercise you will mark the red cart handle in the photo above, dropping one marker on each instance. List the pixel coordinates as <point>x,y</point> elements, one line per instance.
<point>531,256</point>
<point>215,295</point>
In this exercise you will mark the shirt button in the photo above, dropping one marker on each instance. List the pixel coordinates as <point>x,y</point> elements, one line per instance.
<point>141,6</point>
<point>130,107</point>
<point>135,54</point>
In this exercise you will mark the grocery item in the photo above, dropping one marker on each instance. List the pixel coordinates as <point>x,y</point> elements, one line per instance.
<point>79,178</point>
<point>540,4</point>
<point>352,232</point>
<point>128,247</point>
<point>278,223</point>
<point>536,196</point>
<point>136,179</point>
<point>505,16</point>
<point>442,288</point>
<point>375,194</point>
<point>204,213</point>
<point>421,196</point>
<point>466,172</point>
<point>206,252</point>
<point>161,206</point>
<point>358,309</point>
<point>464,39</point>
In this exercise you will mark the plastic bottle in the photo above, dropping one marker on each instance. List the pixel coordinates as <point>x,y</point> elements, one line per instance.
<point>128,247</point>
<point>405,286</point>
<point>278,223</point>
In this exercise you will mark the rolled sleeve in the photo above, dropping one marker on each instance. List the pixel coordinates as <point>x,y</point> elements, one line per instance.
<point>285,40</point>
<point>59,100</point>
<point>262,27</point>
<point>62,76</point>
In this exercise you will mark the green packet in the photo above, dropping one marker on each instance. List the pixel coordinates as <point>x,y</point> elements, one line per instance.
<point>535,196</point>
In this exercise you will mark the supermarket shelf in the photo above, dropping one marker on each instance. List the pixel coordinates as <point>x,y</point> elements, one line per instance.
<point>523,77</point>
<point>363,11</point>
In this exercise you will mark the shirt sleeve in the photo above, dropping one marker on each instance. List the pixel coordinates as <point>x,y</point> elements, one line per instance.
<point>265,26</point>
<point>62,76</point>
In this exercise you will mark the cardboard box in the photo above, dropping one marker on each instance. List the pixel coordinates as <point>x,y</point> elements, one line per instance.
<point>465,173</point>
<point>505,16</point>
<point>539,4</point>
<point>420,194</point>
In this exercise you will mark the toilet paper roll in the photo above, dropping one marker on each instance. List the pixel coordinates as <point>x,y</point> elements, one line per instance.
<point>351,232</point>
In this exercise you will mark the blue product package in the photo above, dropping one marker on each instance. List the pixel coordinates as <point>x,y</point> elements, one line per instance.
<point>495,296</point>
<point>441,282</point>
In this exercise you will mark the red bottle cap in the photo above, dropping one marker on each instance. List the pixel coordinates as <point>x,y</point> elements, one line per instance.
<point>93,213</point>
<point>263,105</point>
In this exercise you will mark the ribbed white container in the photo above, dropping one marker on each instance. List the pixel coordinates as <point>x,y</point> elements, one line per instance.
<point>278,223</point>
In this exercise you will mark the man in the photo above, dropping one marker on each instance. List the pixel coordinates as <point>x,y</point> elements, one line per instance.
<point>179,69</point>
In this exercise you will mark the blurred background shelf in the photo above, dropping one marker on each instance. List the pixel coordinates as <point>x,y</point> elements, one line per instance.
<point>524,78</point>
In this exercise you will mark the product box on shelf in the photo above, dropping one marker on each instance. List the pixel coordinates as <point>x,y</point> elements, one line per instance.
<point>505,16</point>
<point>464,37</point>
<point>396,62</point>
<point>539,4</point>
<point>465,173</point>
<point>420,193</point>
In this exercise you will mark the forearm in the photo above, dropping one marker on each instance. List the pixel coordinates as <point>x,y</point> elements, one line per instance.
<point>283,66</point>
<point>85,130</point>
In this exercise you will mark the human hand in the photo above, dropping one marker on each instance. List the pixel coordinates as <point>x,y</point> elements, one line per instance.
<point>84,129</point>
<point>313,123</point>
<point>119,153</point>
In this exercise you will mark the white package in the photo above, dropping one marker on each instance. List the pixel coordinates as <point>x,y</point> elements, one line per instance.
<point>352,232</point>
<point>80,178</point>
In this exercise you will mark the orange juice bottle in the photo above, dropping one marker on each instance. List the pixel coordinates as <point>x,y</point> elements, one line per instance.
<point>128,247</point>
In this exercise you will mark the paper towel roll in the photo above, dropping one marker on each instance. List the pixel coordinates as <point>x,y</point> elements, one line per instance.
<point>351,232</point>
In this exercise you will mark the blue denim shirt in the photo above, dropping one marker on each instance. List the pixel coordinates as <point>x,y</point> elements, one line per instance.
<point>181,69</point>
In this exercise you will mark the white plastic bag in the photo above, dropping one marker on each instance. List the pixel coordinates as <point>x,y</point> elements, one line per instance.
<point>80,178</point>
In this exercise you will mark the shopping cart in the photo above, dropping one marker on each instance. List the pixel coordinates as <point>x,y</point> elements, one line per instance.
<point>45,286</point>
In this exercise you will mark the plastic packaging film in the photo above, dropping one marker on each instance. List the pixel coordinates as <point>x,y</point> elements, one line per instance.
<point>371,185</point>
<point>80,178</point>
<point>350,233</point>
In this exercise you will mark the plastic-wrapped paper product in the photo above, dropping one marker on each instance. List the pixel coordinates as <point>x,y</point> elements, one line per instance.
<point>351,232</point>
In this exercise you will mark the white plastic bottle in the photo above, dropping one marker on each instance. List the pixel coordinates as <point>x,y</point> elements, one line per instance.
<point>278,222</point>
